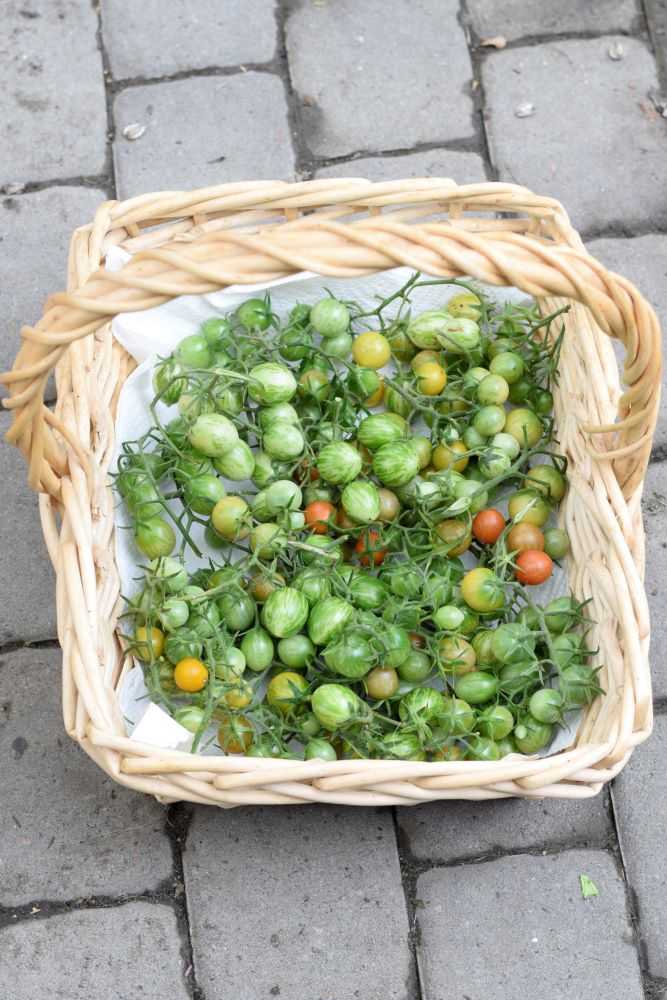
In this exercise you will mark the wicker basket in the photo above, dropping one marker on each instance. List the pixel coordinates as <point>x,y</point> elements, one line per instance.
<point>198,242</point>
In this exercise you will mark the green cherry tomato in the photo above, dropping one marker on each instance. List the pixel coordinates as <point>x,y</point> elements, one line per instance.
<point>489,420</point>
<point>495,722</point>
<point>237,611</point>
<point>520,391</point>
<point>530,735</point>
<point>338,347</point>
<point>202,493</point>
<point>529,506</point>
<point>296,651</point>
<point>257,647</point>
<point>283,441</point>
<point>512,642</point>
<point>255,314</point>
<point>155,537</point>
<point>546,479</point>
<point>416,667</point>
<point>476,687</point>
<point>493,389</point>
<point>556,543</point>
<point>542,402</point>
<point>458,718</point>
<point>193,351</point>
<point>509,365</point>
<point>329,317</point>
<point>481,748</point>
<point>448,617</point>
<point>560,614</point>
<point>295,344</point>
<point>546,705</point>
<point>319,749</point>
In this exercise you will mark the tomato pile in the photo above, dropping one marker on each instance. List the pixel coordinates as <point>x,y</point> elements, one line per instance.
<point>378,532</point>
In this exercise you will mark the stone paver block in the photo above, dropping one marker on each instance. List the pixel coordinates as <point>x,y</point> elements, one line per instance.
<point>654,506</point>
<point>464,168</point>
<point>121,953</point>
<point>52,107</point>
<point>644,261</point>
<point>656,14</point>
<point>373,76</point>
<point>604,159</point>
<point>519,928</point>
<point>297,901</point>
<point>35,231</point>
<point>195,34</point>
<point>447,831</point>
<point>203,131</point>
<point>524,18</point>
<point>641,814</point>
<point>27,610</point>
<point>67,831</point>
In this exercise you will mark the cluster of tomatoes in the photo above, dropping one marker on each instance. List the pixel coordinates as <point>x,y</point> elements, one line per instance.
<point>378,488</point>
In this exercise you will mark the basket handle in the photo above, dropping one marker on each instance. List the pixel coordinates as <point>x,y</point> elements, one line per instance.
<point>208,259</point>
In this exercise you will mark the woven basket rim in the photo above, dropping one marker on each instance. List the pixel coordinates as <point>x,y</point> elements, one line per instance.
<point>193,242</point>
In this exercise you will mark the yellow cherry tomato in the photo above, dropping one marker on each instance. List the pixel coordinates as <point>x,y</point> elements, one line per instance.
<point>235,733</point>
<point>431,378</point>
<point>376,397</point>
<point>239,696</point>
<point>422,357</point>
<point>465,304</point>
<point>371,350</point>
<point>445,456</point>
<point>456,536</point>
<point>285,689</point>
<point>190,674</point>
<point>148,647</point>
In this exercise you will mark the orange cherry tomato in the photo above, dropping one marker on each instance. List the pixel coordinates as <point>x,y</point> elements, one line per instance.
<point>318,514</point>
<point>524,536</point>
<point>366,549</point>
<point>190,674</point>
<point>488,526</point>
<point>533,567</point>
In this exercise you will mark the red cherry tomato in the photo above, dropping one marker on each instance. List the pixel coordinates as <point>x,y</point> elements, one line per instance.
<point>317,514</point>
<point>488,525</point>
<point>533,567</point>
<point>366,549</point>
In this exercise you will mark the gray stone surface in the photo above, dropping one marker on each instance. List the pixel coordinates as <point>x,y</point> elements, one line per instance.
<point>448,831</point>
<point>197,34</point>
<point>66,830</point>
<point>644,261</point>
<point>122,953</point>
<point>52,106</point>
<point>35,231</point>
<point>201,131</point>
<point>521,18</point>
<point>296,902</point>
<point>27,609</point>
<point>640,802</point>
<point>654,506</point>
<point>519,928</point>
<point>464,168</point>
<point>373,76</point>
<point>604,158</point>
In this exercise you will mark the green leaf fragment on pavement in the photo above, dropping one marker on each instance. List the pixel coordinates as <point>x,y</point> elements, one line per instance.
<point>588,887</point>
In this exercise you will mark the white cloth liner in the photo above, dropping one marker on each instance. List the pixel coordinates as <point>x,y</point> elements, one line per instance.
<point>155,332</point>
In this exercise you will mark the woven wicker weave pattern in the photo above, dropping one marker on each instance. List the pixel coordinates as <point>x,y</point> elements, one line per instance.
<point>198,242</point>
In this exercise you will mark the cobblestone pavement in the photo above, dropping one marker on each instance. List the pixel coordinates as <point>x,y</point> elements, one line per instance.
<point>105,894</point>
